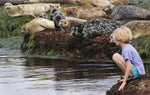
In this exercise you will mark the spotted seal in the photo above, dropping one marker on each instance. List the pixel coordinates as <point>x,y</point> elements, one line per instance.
<point>94,27</point>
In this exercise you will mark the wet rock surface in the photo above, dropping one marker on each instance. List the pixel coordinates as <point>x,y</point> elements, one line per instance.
<point>139,86</point>
<point>66,45</point>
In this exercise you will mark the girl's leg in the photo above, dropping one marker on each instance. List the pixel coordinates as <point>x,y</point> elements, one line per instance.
<point>120,61</point>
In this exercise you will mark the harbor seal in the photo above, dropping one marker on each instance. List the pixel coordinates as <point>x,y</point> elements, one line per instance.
<point>57,16</point>
<point>101,3</point>
<point>49,1</point>
<point>127,12</point>
<point>46,16</point>
<point>138,28</point>
<point>94,27</point>
<point>66,24</point>
<point>82,12</point>
<point>32,10</point>
<point>93,3</point>
<point>37,25</point>
<point>119,2</point>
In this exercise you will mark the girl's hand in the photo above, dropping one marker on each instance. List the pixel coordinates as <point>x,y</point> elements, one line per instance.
<point>122,86</point>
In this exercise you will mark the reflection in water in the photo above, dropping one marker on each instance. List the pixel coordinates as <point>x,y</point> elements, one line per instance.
<point>66,69</point>
<point>34,75</point>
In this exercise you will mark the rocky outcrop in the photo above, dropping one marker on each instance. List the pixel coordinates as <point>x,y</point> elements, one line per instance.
<point>66,45</point>
<point>2,2</point>
<point>139,86</point>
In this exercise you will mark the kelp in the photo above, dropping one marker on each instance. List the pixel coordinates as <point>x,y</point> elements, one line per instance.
<point>142,44</point>
<point>9,26</point>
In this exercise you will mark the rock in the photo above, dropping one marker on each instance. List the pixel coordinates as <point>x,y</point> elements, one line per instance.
<point>139,86</point>
<point>2,2</point>
<point>66,45</point>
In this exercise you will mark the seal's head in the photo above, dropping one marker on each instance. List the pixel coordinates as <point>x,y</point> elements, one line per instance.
<point>77,31</point>
<point>24,29</point>
<point>57,16</point>
<point>55,8</point>
<point>109,9</point>
<point>8,6</point>
<point>43,15</point>
<point>63,23</point>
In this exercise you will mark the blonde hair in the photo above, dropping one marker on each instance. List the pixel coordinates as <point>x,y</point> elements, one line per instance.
<point>122,34</point>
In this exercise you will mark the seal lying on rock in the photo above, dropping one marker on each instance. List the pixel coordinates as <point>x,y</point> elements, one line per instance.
<point>82,12</point>
<point>49,1</point>
<point>100,3</point>
<point>138,28</point>
<point>46,16</point>
<point>2,2</point>
<point>57,16</point>
<point>36,25</point>
<point>94,27</point>
<point>92,3</point>
<point>54,8</point>
<point>66,24</point>
<point>26,9</point>
<point>127,12</point>
<point>119,2</point>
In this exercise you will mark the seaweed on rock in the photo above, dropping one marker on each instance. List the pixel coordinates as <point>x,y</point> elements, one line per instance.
<point>64,44</point>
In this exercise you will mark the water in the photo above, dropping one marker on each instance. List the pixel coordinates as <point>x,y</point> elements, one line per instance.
<point>49,75</point>
<point>45,75</point>
<point>39,75</point>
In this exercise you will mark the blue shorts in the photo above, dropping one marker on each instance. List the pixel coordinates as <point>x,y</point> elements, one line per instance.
<point>135,72</point>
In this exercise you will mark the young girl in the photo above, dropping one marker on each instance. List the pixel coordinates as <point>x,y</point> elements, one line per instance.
<point>129,61</point>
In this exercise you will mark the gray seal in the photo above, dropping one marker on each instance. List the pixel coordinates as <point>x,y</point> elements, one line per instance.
<point>128,12</point>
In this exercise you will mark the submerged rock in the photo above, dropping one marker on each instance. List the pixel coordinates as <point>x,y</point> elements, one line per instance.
<point>64,44</point>
<point>139,86</point>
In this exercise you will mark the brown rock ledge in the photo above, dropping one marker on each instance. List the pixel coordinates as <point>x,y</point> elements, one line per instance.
<point>65,45</point>
<point>139,86</point>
